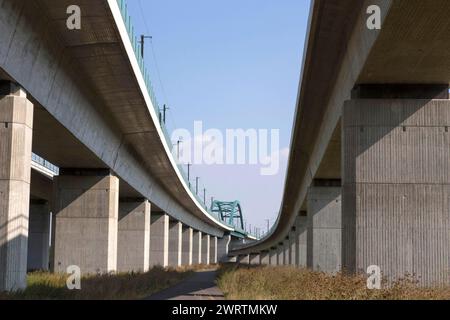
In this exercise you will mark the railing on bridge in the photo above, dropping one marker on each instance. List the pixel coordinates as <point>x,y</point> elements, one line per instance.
<point>49,167</point>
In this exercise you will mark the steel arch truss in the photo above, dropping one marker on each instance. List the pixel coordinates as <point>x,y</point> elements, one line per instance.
<point>229,212</point>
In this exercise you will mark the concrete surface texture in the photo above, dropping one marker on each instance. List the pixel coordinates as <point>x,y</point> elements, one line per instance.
<point>187,246</point>
<point>254,258</point>
<point>302,238</point>
<point>133,249</point>
<point>293,246</point>
<point>39,236</point>
<point>197,247</point>
<point>85,220</point>
<point>223,248</point>
<point>287,251</point>
<point>159,239</point>
<point>212,249</point>
<point>324,229</point>
<point>206,248</point>
<point>264,258</point>
<point>175,243</point>
<point>16,125</point>
<point>396,187</point>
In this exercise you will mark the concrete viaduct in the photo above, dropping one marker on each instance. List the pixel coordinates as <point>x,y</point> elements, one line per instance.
<point>79,99</point>
<point>368,179</point>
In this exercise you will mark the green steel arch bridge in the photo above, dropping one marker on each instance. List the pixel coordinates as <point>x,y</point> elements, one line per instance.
<point>230,212</point>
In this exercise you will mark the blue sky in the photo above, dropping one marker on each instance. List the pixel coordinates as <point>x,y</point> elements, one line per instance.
<point>231,64</point>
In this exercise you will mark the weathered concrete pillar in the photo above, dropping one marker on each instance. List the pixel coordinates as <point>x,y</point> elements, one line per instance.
<point>273,256</point>
<point>133,248</point>
<point>175,243</point>
<point>197,247</point>
<point>16,123</point>
<point>243,259</point>
<point>302,237</point>
<point>212,250</point>
<point>254,258</point>
<point>159,239</point>
<point>324,228</point>
<point>293,246</point>
<point>39,236</point>
<point>264,258</point>
<point>396,185</point>
<point>222,248</point>
<point>187,246</point>
<point>205,248</point>
<point>287,252</point>
<point>85,220</point>
<point>280,254</point>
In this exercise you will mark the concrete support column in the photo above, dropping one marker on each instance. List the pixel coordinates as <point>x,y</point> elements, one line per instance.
<point>39,236</point>
<point>254,258</point>
<point>302,236</point>
<point>287,252</point>
<point>280,254</point>
<point>293,246</point>
<point>324,228</point>
<point>264,258</point>
<point>159,239</point>
<point>222,248</point>
<point>197,247</point>
<point>396,186</point>
<point>212,250</point>
<point>243,259</point>
<point>175,243</point>
<point>205,248</point>
<point>85,220</point>
<point>273,257</point>
<point>187,246</point>
<point>16,123</point>
<point>133,252</point>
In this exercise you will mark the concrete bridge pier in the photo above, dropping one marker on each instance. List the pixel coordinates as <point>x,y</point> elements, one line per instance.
<point>273,257</point>
<point>39,236</point>
<point>287,251</point>
<point>243,259</point>
<point>280,254</point>
<point>175,243</point>
<point>302,235</point>
<point>197,247</point>
<point>264,258</point>
<point>213,250</point>
<point>396,181</point>
<point>16,123</point>
<point>133,249</point>
<point>254,259</point>
<point>187,246</point>
<point>206,248</point>
<point>293,246</point>
<point>223,248</point>
<point>85,220</point>
<point>324,226</point>
<point>159,239</point>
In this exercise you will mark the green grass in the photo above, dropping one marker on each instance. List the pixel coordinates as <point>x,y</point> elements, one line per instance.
<point>121,286</point>
<point>287,283</point>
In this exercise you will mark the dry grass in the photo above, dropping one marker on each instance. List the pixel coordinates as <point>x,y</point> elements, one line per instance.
<point>119,286</point>
<point>287,283</point>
